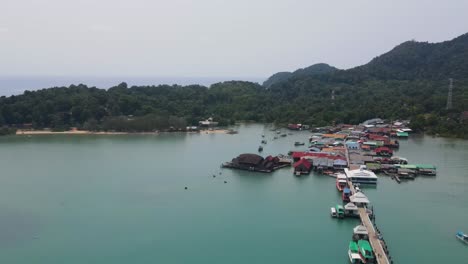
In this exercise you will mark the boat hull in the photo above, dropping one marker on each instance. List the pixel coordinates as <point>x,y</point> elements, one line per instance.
<point>461,238</point>
<point>355,258</point>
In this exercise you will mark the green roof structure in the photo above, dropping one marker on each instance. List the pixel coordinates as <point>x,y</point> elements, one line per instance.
<point>402,134</point>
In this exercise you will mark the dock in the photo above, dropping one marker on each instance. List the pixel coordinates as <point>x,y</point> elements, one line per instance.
<point>374,238</point>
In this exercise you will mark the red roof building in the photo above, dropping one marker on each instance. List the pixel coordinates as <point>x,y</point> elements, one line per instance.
<point>384,151</point>
<point>303,166</point>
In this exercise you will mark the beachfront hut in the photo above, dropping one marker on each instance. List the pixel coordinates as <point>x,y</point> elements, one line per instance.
<point>359,199</point>
<point>351,210</point>
<point>303,166</point>
<point>360,232</point>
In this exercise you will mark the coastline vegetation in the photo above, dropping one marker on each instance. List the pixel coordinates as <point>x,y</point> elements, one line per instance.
<point>409,82</point>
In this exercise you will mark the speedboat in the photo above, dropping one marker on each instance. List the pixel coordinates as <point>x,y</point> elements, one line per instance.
<point>353,253</point>
<point>462,237</point>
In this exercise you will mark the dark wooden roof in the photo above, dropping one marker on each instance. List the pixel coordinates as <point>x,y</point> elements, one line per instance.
<point>252,159</point>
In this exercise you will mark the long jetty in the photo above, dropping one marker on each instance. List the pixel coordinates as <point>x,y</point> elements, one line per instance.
<point>379,252</point>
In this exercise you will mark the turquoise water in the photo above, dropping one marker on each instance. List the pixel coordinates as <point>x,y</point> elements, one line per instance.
<point>121,199</point>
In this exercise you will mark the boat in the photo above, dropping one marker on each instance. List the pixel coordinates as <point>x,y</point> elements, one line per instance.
<point>361,176</point>
<point>264,141</point>
<point>297,143</point>
<point>365,250</point>
<point>346,194</point>
<point>353,253</point>
<point>260,148</point>
<point>283,135</point>
<point>339,211</point>
<point>333,212</point>
<point>232,132</point>
<point>462,237</point>
<point>341,182</point>
<point>263,135</point>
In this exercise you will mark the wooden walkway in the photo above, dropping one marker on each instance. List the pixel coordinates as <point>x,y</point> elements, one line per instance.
<point>374,240</point>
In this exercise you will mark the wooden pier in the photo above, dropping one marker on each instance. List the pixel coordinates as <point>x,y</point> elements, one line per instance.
<point>377,246</point>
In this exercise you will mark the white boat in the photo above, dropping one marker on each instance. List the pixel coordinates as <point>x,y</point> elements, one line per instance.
<point>353,253</point>
<point>462,237</point>
<point>333,212</point>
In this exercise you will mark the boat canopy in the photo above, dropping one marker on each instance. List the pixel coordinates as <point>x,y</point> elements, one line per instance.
<point>346,191</point>
<point>353,247</point>
<point>339,208</point>
<point>365,249</point>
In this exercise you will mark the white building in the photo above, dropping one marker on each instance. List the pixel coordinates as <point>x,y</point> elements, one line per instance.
<point>361,176</point>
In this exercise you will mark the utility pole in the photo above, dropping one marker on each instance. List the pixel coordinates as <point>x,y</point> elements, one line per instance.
<point>449,97</point>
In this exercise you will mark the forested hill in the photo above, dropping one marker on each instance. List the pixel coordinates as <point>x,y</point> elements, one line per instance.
<point>408,82</point>
<point>316,69</point>
<point>422,60</point>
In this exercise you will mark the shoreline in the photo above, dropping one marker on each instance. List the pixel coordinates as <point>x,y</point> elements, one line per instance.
<point>87,132</point>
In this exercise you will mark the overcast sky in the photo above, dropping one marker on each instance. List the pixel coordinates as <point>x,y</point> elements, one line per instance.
<point>211,37</point>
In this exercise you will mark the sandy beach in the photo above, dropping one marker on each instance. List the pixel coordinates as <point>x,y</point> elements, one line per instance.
<point>86,132</point>
<point>70,132</point>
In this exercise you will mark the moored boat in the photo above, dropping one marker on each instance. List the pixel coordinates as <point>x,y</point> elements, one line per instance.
<point>297,143</point>
<point>339,211</point>
<point>341,182</point>
<point>353,253</point>
<point>365,250</point>
<point>346,194</point>
<point>462,237</point>
<point>333,212</point>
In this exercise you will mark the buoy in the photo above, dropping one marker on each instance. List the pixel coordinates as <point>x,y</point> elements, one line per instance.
<point>186,188</point>
<point>225,181</point>
<point>214,176</point>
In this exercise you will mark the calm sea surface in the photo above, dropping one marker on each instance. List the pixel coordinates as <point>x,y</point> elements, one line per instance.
<point>121,199</point>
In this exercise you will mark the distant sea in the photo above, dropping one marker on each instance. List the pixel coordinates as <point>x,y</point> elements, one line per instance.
<point>17,85</point>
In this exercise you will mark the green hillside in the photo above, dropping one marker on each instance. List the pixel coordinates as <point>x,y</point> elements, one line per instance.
<point>408,82</point>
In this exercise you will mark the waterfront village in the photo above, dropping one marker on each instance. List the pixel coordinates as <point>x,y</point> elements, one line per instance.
<point>354,155</point>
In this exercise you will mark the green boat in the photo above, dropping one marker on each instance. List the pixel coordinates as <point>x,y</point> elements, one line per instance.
<point>339,211</point>
<point>353,253</point>
<point>365,250</point>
